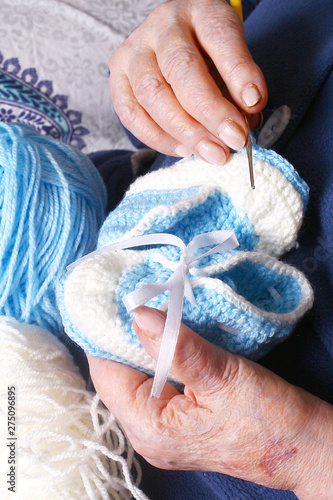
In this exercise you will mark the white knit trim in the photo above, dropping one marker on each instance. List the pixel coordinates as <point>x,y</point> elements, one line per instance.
<point>89,301</point>
<point>274,207</point>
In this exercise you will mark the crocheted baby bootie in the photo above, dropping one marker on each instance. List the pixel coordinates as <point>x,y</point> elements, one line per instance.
<point>243,299</point>
<point>193,197</point>
<point>245,304</point>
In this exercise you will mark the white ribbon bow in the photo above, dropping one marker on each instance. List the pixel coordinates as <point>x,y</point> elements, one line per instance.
<point>178,284</point>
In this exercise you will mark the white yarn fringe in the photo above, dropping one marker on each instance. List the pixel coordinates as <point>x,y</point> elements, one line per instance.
<point>68,447</point>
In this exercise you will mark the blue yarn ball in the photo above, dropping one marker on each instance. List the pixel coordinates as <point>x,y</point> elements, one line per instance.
<point>52,204</point>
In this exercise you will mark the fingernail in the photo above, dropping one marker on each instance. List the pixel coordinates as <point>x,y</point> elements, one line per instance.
<point>181,150</point>
<point>251,96</point>
<point>149,321</point>
<point>211,152</point>
<point>232,134</point>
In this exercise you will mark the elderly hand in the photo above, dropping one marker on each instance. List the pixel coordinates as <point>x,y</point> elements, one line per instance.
<point>235,417</point>
<point>165,80</point>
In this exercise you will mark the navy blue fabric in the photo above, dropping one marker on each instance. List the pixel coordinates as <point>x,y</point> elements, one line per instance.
<point>187,485</point>
<point>116,170</point>
<point>297,64</point>
<point>293,44</point>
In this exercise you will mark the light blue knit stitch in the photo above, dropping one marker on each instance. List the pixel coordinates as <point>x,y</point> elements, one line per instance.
<point>132,208</point>
<point>252,281</point>
<point>215,213</point>
<point>52,203</point>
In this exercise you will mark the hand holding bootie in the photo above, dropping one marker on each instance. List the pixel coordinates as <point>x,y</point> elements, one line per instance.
<point>238,296</point>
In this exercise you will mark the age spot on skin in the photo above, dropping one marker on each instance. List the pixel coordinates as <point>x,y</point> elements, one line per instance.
<point>274,457</point>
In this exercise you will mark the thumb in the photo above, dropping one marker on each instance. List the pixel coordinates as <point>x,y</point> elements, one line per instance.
<point>197,363</point>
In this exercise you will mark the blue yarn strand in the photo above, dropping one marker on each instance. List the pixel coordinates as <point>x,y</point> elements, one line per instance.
<point>52,204</point>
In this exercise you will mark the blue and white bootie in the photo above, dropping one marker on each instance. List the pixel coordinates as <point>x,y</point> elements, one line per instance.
<point>242,299</point>
<point>193,197</point>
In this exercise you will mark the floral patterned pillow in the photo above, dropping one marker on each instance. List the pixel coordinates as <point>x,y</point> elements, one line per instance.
<point>54,66</point>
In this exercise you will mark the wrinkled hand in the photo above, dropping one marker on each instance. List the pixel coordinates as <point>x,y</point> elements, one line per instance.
<point>165,80</point>
<point>235,417</point>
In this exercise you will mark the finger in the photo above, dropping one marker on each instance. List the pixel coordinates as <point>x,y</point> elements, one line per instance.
<point>198,364</point>
<point>123,389</point>
<point>157,98</point>
<point>137,120</point>
<point>185,70</point>
<point>255,119</point>
<point>220,33</point>
<point>150,110</point>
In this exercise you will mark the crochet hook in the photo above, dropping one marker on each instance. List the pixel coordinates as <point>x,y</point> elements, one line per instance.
<point>249,155</point>
<point>237,6</point>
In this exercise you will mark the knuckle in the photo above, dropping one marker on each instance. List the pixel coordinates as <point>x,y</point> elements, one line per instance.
<point>204,105</point>
<point>192,357</point>
<point>148,87</point>
<point>233,67</point>
<point>218,30</point>
<point>180,127</point>
<point>221,33</point>
<point>177,62</point>
<point>174,417</point>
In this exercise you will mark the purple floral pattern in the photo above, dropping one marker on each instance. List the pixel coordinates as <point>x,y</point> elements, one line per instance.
<point>62,50</point>
<point>25,99</point>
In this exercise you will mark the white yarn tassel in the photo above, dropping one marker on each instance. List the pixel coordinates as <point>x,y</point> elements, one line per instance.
<point>68,445</point>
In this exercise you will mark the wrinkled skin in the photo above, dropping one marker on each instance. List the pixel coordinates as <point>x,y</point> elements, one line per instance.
<point>235,417</point>
<point>181,83</point>
<point>183,78</point>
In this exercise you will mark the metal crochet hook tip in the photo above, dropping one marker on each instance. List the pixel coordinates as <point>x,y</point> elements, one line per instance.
<point>249,156</point>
